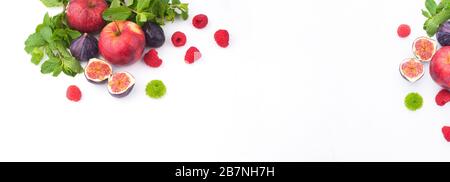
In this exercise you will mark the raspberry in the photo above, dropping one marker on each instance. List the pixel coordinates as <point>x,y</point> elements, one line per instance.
<point>403,30</point>
<point>222,38</point>
<point>442,97</point>
<point>179,39</point>
<point>192,55</point>
<point>73,93</point>
<point>200,21</point>
<point>152,59</point>
<point>446,132</point>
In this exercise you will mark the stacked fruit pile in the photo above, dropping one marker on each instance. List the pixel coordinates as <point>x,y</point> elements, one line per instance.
<point>425,50</point>
<point>124,28</point>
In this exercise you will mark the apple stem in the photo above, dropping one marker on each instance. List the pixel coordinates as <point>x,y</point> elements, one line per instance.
<point>118,29</point>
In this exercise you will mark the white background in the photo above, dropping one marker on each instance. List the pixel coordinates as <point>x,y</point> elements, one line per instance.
<point>301,81</point>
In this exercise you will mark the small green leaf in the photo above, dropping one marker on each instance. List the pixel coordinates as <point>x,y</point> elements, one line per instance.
<point>46,33</point>
<point>184,15</point>
<point>142,4</point>
<point>50,65</point>
<point>52,3</point>
<point>426,14</point>
<point>115,4</point>
<point>57,71</point>
<point>36,55</point>
<point>176,2</point>
<point>431,6</point>
<point>129,2</point>
<point>119,13</point>
<point>34,40</point>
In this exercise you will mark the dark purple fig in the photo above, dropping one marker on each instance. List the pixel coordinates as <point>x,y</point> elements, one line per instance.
<point>120,84</point>
<point>84,47</point>
<point>443,34</point>
<point>154,35</point>
<point>97,71</point>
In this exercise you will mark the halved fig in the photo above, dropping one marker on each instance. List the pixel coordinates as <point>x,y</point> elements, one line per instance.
<point>424,48</point>
<point>411,69</point>
<point>120,84</point>
<point>97,70</point>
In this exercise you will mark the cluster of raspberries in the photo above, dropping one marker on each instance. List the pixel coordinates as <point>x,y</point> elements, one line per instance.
<point>179,39</point>
<point>442,98</point>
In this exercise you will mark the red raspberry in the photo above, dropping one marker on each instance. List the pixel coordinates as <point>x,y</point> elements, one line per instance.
<point>73,93</point>
<point>222,38</point>
<point>192,55</point>
<point>403,30</point>
<point>446,132</point>
<point>179,39</point>
<point>152,59</point>
<point>442,97</point>
<point>200,21</point>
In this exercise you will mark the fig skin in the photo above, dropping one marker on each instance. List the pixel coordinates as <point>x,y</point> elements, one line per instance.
<point>86,15</point>
<point>443,34</point>
<point>440,67</point>
<point>122,95</point>
<point>154,35</point>
<point>122,42</point>
<point>84,48</point>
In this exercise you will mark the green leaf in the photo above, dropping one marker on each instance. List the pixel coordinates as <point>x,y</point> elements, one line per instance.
<point>184,15</point>
<point>34,40</point>
<point>426,14</point>
<point>129,2</point>
<point>50,65</point>
<point>431,26</point>
<point>431,6</point>
<point>57,71</point>
<point>73,34</point>
<point>36,55</point>
<point>71,66</point>
<point>115,4</point>
<point>52,3</point>
<point>176,2</point>
<point>47,20</point>
<point>46,33</point>
<point>443,4</point>
<point>119,13</point>
<point>142,4</point>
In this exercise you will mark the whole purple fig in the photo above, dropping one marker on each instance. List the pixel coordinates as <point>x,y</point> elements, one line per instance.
<point>443,34</point>
<point>84,47</point>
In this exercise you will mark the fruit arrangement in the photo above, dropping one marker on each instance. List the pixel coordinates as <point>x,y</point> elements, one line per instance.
<point>93,37</point>
<point>427,50</point>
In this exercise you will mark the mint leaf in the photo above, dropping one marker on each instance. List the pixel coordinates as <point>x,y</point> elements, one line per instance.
<point>119,13</point>
<point>142,4</point>
<point>36,55</point>
<point>431,26</point>
<point>129,2</point>
<point>50,65</point>
<point>115,4</point>
<point>46,33</point>
<point>431,6</point>
<point>426,14</point>
<point>34,40</point>
<point>52,3</point>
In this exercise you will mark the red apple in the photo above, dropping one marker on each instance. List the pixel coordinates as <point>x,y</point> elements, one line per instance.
<point>440,67</point>
<point>86,15</point>
<point>122,42</point>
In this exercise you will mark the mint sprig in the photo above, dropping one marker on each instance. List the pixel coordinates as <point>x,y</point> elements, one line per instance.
<point>436,15</point>
<point>141,11</point>
<point>52,39</point>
